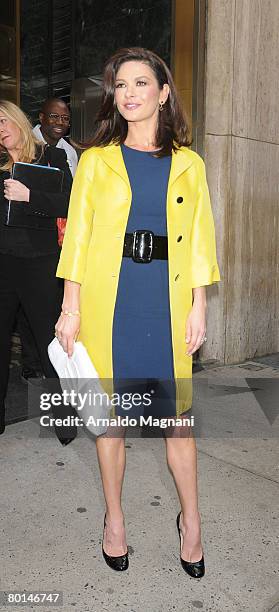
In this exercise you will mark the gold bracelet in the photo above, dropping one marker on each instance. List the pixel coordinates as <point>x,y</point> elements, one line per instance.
<point>71,314</point>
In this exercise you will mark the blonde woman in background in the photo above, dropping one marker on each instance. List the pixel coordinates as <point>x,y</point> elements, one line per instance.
<point>28,256</point>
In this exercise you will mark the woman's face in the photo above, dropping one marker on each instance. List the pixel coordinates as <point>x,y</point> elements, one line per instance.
<point>10,135</point>
<point>137,92</point>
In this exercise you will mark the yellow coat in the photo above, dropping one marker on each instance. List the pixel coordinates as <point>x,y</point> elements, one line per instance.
<point>92,250</point>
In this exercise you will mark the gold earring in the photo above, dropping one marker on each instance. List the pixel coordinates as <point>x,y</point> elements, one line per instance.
<point>161,106</point>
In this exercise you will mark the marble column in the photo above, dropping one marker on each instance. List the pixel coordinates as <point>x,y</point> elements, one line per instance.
<point>242,157</point>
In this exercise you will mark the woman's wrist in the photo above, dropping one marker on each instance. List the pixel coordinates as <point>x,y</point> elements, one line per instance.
<point>70,312</point>
<point>71,299</point>
<point>70,306</point>
<point>199,297</point>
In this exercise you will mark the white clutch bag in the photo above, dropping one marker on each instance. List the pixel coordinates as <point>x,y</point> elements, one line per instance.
<point>80,379</point>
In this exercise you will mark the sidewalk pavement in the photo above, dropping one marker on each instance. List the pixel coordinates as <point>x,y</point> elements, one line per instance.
<point>52,510</point>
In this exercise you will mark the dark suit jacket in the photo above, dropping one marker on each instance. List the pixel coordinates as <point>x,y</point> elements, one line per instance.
<point>31,242</point>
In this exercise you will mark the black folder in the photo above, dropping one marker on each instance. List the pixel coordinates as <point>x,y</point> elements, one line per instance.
<point>41,178</point>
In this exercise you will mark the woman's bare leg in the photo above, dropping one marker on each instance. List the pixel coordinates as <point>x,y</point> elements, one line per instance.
<point>112,461</point>
<point>182,461</point>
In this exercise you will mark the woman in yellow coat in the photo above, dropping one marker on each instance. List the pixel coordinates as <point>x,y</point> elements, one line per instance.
<point>140,127</point>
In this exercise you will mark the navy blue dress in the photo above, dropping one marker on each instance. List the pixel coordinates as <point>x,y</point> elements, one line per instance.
<point>141,340</point>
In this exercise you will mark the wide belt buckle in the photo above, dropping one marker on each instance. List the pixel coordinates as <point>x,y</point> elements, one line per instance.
<point>142,250</point>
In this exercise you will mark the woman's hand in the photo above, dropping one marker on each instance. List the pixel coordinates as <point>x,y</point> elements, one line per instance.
<point>196,322</point>
<point>14,190</point>
<point>67,326</point>
<point>66,330</point>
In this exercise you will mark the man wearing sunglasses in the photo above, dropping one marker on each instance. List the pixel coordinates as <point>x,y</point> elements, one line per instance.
<point>54,125</point>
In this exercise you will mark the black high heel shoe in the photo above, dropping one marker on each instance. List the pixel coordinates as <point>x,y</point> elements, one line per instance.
<point>119,563</point>
<point>65,441</point>
<point>196,569</point>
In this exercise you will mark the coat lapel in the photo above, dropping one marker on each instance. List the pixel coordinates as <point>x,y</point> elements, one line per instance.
<point>181,161</point>
<point>113,157</point>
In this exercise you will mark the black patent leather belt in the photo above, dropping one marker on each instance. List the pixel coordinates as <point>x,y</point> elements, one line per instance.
<point>143,246</point>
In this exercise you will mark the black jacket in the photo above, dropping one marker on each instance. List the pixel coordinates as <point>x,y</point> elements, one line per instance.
<point>31,242</point>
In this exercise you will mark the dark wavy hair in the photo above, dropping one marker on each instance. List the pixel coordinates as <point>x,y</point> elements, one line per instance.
<point>172,131</point>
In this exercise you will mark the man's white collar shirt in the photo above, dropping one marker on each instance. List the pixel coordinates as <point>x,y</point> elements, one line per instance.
<point>72,157</point>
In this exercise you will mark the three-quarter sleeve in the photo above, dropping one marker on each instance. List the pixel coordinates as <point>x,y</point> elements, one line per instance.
<point>78,232</point>
<point>204,266</point>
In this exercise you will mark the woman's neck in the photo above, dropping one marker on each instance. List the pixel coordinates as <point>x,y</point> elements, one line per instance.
<point>141,136</point>
<point>14,154</point>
